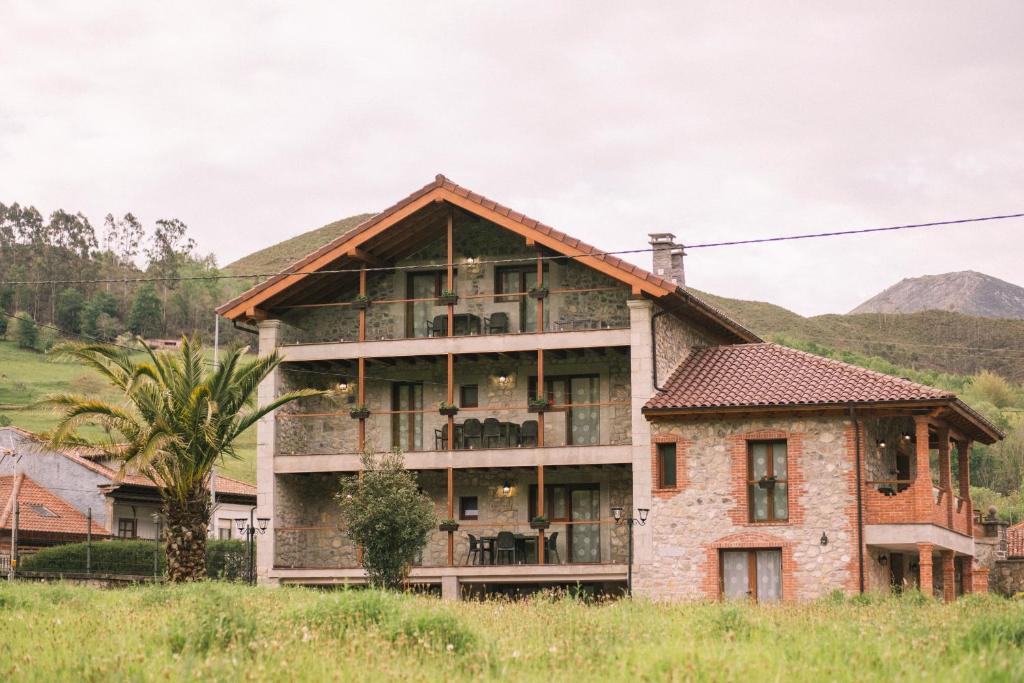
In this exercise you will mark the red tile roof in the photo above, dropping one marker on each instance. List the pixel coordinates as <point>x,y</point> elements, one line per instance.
<point>1015,541</point>
<point>41,510</point>
<point>440,181</point>
<point>767,374</point>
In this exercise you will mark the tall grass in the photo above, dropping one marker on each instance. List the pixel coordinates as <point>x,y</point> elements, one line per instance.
<point>227,632</point>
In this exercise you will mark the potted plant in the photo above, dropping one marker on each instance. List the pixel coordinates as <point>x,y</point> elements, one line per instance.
<point>766,482</point>
<point>448,409</point>
<point>539,292</point>
<point>361,302</point>
<point>448,296</point>
<point>538,405</point>
<point>539,523</point>
<point>359,412</point>
<point>448,525</point>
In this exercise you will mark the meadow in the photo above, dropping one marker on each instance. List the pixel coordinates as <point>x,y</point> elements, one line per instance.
<point>218,631</point>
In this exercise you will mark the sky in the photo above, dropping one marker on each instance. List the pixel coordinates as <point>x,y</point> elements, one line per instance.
<point>256,121</point>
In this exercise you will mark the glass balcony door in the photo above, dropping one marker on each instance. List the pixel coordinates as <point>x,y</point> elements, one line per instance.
<point>407,416</point>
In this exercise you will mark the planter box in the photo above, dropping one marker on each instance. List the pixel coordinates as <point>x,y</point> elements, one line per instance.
<point>539,526</point>
<point>541,293</point>
<point>538,408</point>
<point>360,305</point>
<point>766,482</point>
<point>448,526</point>
<point>359,413</point>
<point>444,300</point>
<point>449,412</point>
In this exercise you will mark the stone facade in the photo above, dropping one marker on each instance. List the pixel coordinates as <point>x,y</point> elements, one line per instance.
<point>673,340</point>
<point>1007,577</point>
<point>709,512</point>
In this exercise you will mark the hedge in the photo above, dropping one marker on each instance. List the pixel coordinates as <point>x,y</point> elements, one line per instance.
<point>224,559</point>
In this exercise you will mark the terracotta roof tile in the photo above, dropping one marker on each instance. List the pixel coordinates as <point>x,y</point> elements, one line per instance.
<point>43,511</point>
<point>1015,541</point>
<point>767,374</point>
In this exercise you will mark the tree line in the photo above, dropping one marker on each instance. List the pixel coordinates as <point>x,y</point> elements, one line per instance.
<point>66,246</point>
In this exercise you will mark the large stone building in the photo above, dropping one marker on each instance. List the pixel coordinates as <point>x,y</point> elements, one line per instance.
<point>525,373</point>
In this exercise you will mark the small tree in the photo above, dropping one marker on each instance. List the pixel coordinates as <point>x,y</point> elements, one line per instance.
<point>146,316</point>
<point>69,310</point>
<point>26,333</point>
<point>99,304</point>
<point>388,516</point>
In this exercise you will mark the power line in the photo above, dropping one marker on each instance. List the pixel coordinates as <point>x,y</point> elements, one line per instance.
<point>520,260</point>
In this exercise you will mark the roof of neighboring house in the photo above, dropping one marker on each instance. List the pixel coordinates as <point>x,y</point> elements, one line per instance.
<point>766,375</point>
<point>444,189</point>
<point>40,510</point>
<point>1015,541</point>
<point>88,457</point>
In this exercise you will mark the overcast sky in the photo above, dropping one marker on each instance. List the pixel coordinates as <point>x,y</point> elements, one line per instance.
<point>253,122</point>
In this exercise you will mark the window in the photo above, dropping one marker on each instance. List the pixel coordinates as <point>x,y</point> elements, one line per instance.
<point>666,465</point>
<point>127,528</point>
<point>518,280</point>
<point>224,531</point>
<point>469,396</point>
<point>407,416</point>
<point>423,288</point>
<point>580,506</point>
<point>42,510</point>
<point>752,574</point>
<point>469,507</point>
<point>767,481</point>
<point>580,395</point>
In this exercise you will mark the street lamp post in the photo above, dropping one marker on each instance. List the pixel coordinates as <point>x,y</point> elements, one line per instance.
<point>246,527</point>
<point>630,522</point>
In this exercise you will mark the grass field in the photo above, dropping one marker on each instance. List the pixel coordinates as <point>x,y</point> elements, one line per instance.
<point>229,632</point>
<point>27,377</point>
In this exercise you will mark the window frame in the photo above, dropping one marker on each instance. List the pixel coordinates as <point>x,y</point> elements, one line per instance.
<point>751,483</point>
<point>463,508</point>
<point>462,396</point>
<point>121,526</point>
<point>751,571</point>
<point>660,465</point>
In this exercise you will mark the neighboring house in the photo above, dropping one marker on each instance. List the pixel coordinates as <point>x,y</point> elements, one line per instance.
<point>524,372</point>
<point>125,504</point>
<point>44,518</point>
<point>1015,542</point>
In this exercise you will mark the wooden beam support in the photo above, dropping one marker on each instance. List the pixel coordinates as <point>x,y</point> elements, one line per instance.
<point>451,268</point>
<point>366,257</point>
<point>362,312</point>
<point>451,513</point>
<point>540,511</point>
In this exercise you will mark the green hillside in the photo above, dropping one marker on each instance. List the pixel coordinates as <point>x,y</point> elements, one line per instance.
<point>27,377</point>
<point>929,340</point>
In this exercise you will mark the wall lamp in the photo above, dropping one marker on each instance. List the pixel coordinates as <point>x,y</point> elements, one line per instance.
<point>824,538</point>
<point>506,489</point>
<point>883,560</point>
<point>881,443</point>
<point>504,379</point>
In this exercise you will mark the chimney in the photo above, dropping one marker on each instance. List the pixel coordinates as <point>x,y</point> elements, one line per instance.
<point>668,257</point>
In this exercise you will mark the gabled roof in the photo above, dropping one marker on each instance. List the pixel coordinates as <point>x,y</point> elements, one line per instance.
<point>765,375</point>
<point>344,252</point>
<point>40,510</point>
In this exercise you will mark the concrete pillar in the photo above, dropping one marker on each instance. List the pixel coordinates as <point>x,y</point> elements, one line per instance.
<point>925,583</point>
<point>450,588</point>
<point>641,382</point>
<point>948,575</point>
<point>266,443</point>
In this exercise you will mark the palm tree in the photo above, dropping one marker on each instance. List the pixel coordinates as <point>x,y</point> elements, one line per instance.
<point>178,418</point>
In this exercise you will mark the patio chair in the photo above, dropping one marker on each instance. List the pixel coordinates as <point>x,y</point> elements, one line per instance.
<point>438,327</point>
<point>497,323</point>
<point>492,433</point>
<point>528,433</point>
<point>551,546</point>
<point>441,438</point>
<point>505,546</point>
<point>475,551</point>
<point>472,432</point>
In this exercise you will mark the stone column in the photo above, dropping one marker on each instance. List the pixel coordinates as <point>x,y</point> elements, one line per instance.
<point>450,588</point>
<point>266,445</point>
<point>948,575</point>
<point>924,551</point>
<point>641,382</point>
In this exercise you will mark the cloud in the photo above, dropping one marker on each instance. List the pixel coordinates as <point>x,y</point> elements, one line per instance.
<point>253,123</point>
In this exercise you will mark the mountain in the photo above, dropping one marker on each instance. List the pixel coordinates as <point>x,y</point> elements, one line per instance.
<point>965,292</point>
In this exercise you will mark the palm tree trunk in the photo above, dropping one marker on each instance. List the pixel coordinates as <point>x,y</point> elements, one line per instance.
<point>186,537</point>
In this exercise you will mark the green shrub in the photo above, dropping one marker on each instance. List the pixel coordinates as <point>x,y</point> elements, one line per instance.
<point>225,559</point>
<point>26,332</point>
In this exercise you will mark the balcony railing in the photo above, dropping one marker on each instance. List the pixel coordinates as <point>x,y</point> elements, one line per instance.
<point>897,501</point>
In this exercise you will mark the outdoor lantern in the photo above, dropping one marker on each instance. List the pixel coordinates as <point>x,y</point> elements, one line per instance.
<point>506,488</point>
<point>907,436</point>
<point>643,514</point>
<point>824,538</point>
<point>470,261</point>
<point>263,522</point>
<point>343,385</point>
<point>503,379</point>
<point>881,443</point>
<point>240,521</point>
<point>617,513</point>
<point>883,560</point>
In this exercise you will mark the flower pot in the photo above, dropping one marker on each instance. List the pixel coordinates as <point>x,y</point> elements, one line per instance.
<point>448,526</point>
<point>539,526</point>
<point>536,408</point>
<point>766,482</point>
<point>449,411</point>
<point>359,413</point>
<point>360,305</point>
<point>445,299</point>
<point>540,293</point>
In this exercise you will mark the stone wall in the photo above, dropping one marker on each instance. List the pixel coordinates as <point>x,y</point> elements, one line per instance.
<point>307,528</point>
<point>1007,577</point>
<point>710,511</point>
<point>673,340</point>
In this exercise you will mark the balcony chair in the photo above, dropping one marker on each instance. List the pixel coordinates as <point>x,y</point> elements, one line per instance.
<point>477,550</point>
<point>438,327</point>
<point>441,438</point>
<point>472,432</point>
<point>551,546</point>
<point>492,433</point>
<point>496,324</point>
<point>505,545</point>
<point>528,434</point>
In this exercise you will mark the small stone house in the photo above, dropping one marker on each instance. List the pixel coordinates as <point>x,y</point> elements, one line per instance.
<point>558,403</point>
